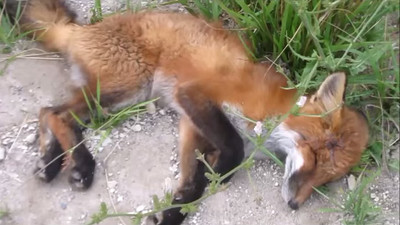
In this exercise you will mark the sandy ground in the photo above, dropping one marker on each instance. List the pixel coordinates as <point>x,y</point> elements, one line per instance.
<point>135,162</point>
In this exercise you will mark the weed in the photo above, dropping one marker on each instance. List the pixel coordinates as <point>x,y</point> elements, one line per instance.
<point>3,213</point>
<point>97,12</point>
<point>101,118</point>
<point>9,31</point>
<point>314,38</point>
<point>358,206</point>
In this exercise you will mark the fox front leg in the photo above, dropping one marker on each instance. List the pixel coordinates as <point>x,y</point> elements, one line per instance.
<point>206,128</point>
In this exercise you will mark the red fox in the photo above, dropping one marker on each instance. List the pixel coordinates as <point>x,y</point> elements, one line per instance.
<point>195,66</point>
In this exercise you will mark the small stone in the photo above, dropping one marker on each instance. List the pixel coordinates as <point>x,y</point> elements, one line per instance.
<point>31,128</point>
<point>2,154</point>
<point>120,198</point>
<point>276,184</point>
<point>83,216</point>
<point>151,108</point>
<point>140,208</point>
<point>162,112</point>
<point>63,205</point>
<point>30,139</point>
<point>112,184</point>
<point>137,128</point>
<point>106,142</point>
<point>373,195</point>
<point>351,182</point>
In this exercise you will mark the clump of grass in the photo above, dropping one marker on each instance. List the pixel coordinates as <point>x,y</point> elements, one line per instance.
<point>357,207</point>
<point>100,118</point>
<point>3,213</point>
<point>97,12</point>
<point>315,38</point>
<point>9,32</point>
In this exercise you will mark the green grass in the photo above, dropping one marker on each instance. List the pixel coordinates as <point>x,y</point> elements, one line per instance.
<point>9,30</point>
<point>313,38</point>
<point>3,213</point>
<point>100,117</point>
<point>357,206</point>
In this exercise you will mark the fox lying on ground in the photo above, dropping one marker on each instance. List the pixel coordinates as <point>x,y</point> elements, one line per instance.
<point>196,67</point>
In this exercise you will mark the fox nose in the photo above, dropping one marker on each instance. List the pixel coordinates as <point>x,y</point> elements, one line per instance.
<point>293,204</point>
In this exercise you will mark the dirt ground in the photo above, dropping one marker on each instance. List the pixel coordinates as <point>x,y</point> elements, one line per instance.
<point>136,161</point>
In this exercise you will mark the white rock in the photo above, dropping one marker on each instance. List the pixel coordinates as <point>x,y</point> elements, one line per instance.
<point>112,184</point>
<point>162,112</point>
<point>106,142</point>
<point>351,182</point>
<point>136,128</point>
<point>120,198</point>
<point>30,139</point>
<point>2,153</point>
<point>140,208</point>
<point>151,108</point>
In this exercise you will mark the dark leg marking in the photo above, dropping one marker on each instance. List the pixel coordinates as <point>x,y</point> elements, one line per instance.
<point>216,129</point>
<point>49,172</point>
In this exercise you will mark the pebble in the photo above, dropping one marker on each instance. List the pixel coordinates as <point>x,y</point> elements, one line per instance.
<point>2,153</point>
<point>30,139</point>
<point>351,182</point>
<point>106,142</point>
<point>136,128</point>
<point>151,108</point>
<point>112,184</point>
<point>140,208</point>
<point>63,205</point>
<point>83,216</point>
<point>162,112</point>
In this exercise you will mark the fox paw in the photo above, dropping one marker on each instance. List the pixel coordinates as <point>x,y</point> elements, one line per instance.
<point>50,164</point>
<point>81,176</point>
<point>151,220</point>
<point>47,170</point>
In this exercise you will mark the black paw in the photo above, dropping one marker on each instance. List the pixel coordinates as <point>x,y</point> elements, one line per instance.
<point>152,220</point>
<point>293,204</point>
<point>81,176</point>
<point>49,165</point>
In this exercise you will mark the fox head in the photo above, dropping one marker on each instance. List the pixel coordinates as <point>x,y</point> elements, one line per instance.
<point>321,143</point>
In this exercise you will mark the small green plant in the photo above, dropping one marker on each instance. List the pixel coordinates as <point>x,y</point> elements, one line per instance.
<point>312,38</point>
<point>3,213</point>
<point>358,207</point>
<point>9,32</point>
<point>165,203</point>
<point>100,118</point>
<point>97,12</point>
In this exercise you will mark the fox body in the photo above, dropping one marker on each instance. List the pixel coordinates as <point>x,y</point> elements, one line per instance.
<point>195,67</point>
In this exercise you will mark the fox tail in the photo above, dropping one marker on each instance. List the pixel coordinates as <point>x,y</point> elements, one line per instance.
<point>49,21</point>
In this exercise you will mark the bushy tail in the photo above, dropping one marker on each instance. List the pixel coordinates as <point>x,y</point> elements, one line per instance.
<point>49,21</point>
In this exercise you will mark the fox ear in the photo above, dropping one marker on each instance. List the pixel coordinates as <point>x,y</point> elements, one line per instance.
<point>331,92</point>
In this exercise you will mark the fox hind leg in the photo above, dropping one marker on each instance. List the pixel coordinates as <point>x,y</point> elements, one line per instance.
<point>60,143</point>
